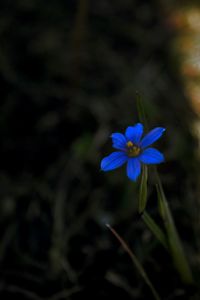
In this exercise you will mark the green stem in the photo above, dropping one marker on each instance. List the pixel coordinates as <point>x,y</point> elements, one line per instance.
<point>143,190</point>
<point>174,241</point>
<point>155,229</point>
<point>141,110</point>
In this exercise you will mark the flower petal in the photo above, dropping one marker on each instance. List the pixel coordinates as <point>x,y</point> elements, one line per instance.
<point>113,161</point>
<point>152,136</point>
<point>119,141</point>
<point>134,133</point>
<point>133,168</point>
<point>151,156</point>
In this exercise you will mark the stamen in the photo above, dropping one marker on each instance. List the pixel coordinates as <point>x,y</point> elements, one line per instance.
<point>129,144</point>
<point>132,150</point>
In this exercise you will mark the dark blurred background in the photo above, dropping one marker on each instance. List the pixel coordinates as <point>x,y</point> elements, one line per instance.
<point>69,74</point>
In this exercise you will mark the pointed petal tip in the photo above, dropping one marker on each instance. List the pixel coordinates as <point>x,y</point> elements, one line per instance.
<point>119,141</point>
<point>113,161</point>
<point>134,133</point>
<point>133,169</point>
<point>134,179</point>
<point>152,136</point>
<point>151,156</point>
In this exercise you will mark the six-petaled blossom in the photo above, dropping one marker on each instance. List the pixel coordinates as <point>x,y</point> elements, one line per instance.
<point>133,150</point>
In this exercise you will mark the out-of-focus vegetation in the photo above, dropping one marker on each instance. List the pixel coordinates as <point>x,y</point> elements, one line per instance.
<point>69,75</point>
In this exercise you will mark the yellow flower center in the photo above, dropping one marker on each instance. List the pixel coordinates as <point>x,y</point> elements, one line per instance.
<point>133,150</point>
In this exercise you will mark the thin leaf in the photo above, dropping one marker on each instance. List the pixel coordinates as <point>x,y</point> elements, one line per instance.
<point>155,229</point>
<point>143,190</point>
<point>135,262</point>
<point>141,110</point>
<point>174,241</point>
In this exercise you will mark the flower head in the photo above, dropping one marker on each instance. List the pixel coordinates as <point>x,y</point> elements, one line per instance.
<point>133,150</point>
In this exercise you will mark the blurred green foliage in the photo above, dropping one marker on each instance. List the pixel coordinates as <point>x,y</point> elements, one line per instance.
<point>69,74</point>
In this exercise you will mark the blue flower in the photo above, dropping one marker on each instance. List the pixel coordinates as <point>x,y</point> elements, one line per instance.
<point>133,150</point>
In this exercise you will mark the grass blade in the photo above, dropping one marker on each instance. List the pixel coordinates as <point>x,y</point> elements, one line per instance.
<point>174,241</point>
<point>135,262</point>
<point>141,111</point>
<point>155,229</point>
<point>143,190</point>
